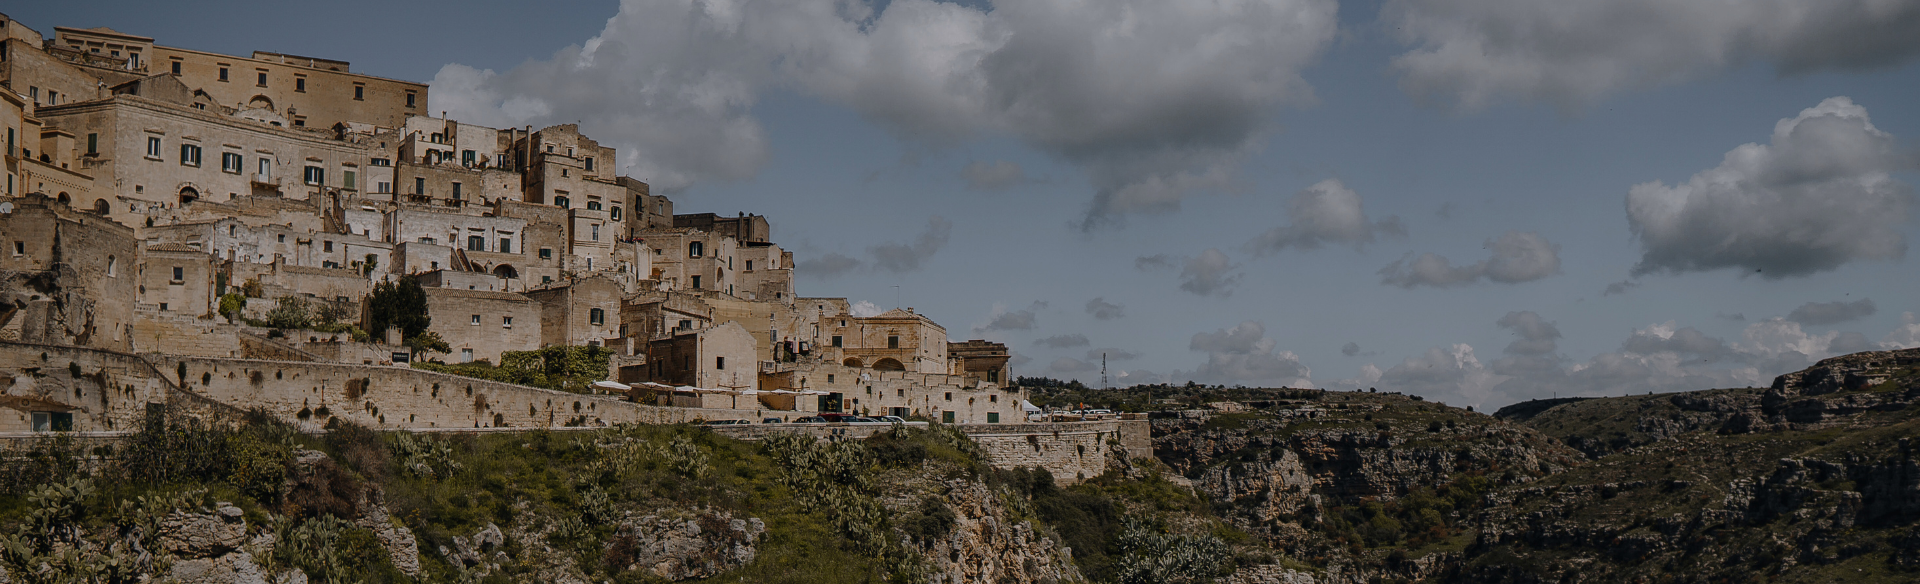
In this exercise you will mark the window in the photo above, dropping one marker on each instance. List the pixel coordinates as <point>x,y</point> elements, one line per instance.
<point>163,307</point>
<point>749,265</point>
<point>266,169</point>
<point>589,164</point>
<point>593,205</point>
<point>562,202</point>
<point>506,322</point>
<point>113,267</point>
<point>93,143</point>
<point>466,355</point>
<point>380,162</point>
<point>179,274</point>
<point>383,187</point>
<point>949,396</point>
<point>506,245</point>
<point>696,282</point>
<point>946,417</point>
<point>300,84</point>
<point>466,157</point>
<point>410,97</point>
<point>189,155</point>
<point>419,185</point>
<point>359,92</point>
<point>223,74</point>
<point>230,162</point>
<point>596,317</point>
<point>283,237</point>
<point>53,421</point>
<point>546,279</point>
<point>19,248</point>
<point>316,175</point>
<point>476,320</point>
<point>893,342</point>
<point>836,340</point>
<point>719,362</point>
<point>10,144</point>
<point>153,147</point>
<point>476,243</point>
<point>616,213</point>
<point>263,79</point>
<point>546,253</point>
<point>347,178</point>
<point>596,231</point>
<point>176,67</point>
<point>993,417</point>
<point>695,249</point>
<point>456,191</point>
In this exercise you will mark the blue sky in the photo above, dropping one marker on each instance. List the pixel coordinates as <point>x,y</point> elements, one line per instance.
<point>1005,164</point>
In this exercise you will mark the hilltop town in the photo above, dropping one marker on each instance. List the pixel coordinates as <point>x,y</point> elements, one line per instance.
<point>180,204</point>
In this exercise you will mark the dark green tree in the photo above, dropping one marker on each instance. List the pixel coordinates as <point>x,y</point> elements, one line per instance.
<point>398,304</point>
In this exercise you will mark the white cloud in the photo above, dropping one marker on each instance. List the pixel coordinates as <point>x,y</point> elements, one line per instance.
<point>1001,319</point>
<point>1154,100</point>
<point>1448,373</point>
<point>1517,256</point>
<point>1326,213</point>
<point>865,309</point>
<point>1820,196</point>
<point>1905,337</point>
<point>1824,313</point>
<point>1472,53</point>
<point>1208,274</point>
<point>1537,336</point>
<point>1244,355</point>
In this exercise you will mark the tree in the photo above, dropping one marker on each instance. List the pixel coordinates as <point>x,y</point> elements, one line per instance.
<point>291,313</point>
<point>427,341</point>
<point>398,304</point>
<point>232,306</point>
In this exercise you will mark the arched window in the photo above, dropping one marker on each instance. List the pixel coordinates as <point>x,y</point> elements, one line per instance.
<point>562,202</point>
<point>695,249</point>
<point>596,317</point>
<point>113,266</point>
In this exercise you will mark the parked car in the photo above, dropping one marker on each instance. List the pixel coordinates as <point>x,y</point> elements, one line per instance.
<point>724,422</point>
<point>891,419</point>
<point>810,420</point>
<point>772,421</point>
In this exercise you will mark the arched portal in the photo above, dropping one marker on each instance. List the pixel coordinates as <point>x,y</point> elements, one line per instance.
<point>888,364</point>
<point>506,271</point>
<point>853,362</point>
<point>189,195</point>
<point>101,206</point>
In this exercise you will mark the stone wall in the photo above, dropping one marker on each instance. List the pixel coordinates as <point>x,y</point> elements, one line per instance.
<point>1072,451</point>
<point>110,393</point>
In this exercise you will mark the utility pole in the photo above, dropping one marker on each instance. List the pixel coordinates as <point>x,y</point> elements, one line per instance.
<point>1103,372</point>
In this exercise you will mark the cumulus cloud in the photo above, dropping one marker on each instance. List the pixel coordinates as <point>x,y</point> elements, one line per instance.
<point>1154,100</point>
<point>1537,336</point>
<point>893,257</point>
<point>1825,313</point>
<point>1002,319</point>
<point>998,175</point>
<point>1112,353</point>
<point>1660,357</point>
<point>1243,354</point>
<point>1905,337</point>
<point>1326,213</point>
<point>1100,309</point>
<point>1063,341</point>
<point>1819,196</point>
<point>1071,365</point>
<point>1517,256</point>
<point>1208,274</point>
<point>864,309</point>
<point>1471,53</point>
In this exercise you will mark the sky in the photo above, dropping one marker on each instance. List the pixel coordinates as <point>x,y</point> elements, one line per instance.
<point>1477,201</point>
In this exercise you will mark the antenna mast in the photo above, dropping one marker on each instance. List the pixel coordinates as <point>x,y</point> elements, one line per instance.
<point>1103,371</point>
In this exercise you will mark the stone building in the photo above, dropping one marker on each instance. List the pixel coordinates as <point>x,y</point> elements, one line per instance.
<point>176,280</point>
<point>585,311</point>
<point>311,92</point>
<point>648,316</point>
<point>481,325</point>
<point>159,155</point>
<point>896,340</point>
<point>721,357</point>
<point>73,275</point>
